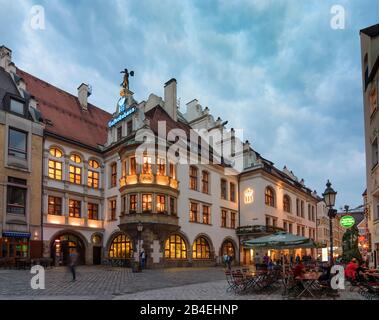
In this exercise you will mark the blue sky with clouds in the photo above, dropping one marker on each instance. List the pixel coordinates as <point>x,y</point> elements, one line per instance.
<point>272,67</point>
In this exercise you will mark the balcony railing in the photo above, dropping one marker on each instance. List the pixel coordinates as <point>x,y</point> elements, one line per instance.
<point>72,221</point>
<point>148,178</point>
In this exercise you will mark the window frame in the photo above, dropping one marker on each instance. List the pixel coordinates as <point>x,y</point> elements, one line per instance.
<point>75,210</point>
<point>16,150</point>
<point>93,210</point>
<point>56,207</point>
<point>270,197</point>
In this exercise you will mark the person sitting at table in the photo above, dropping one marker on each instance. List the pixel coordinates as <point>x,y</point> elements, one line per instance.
<point>299,270</point>
<point>361,269</point>
<point>351,270</point>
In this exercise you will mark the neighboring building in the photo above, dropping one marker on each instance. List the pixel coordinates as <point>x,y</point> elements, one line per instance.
<point>323,231</point>
<point>370,77</point>
<point>21,138</point>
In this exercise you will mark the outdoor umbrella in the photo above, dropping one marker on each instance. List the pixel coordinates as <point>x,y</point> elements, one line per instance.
<point>280,240</point>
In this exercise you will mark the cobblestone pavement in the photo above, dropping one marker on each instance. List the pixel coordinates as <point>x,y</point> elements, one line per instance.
<point>120,283</point>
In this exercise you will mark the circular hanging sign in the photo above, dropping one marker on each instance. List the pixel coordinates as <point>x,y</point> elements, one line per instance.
<point>347,222</point>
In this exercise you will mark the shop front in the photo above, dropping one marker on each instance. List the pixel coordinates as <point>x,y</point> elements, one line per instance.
<point>15,245</point>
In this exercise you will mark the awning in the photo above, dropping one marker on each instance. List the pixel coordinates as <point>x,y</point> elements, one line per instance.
<point>12,234</point>
<point>280,240</point>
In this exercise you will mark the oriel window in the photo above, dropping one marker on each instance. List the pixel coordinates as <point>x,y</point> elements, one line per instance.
<point>161,205</point>
<point>147,204</point>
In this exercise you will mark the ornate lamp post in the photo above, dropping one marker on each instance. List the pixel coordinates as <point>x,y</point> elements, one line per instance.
<point>330,199</point>
<point>139,230</point>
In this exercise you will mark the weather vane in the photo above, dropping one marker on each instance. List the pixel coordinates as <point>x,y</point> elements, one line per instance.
<point>125,82</point>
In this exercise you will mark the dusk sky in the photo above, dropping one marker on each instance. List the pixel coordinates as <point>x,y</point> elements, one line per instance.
<point>276,69</point>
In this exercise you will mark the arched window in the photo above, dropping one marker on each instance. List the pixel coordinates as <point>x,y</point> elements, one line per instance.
<point>121,247</point>
<point>270,197</point>
<point>55,152</point>
<point>75,172</point>
<point>286,203</point>
<point>200,249</point>
<point>227,248</point>
<point>75,158</point>
<point>175,247</point>
<point>93,164</point>
<point>55,167</point>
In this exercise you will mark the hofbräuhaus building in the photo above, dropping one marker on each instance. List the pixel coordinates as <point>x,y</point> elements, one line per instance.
<point>114,184</point>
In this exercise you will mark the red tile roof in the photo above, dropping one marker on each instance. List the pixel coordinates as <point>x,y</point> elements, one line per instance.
<point>67,118</point>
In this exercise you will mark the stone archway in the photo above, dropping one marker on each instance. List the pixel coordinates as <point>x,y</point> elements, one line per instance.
<point>64,242</point>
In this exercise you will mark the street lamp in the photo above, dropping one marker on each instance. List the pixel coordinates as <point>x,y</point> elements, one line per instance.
<point>330,199</point>
<point>139,230</point>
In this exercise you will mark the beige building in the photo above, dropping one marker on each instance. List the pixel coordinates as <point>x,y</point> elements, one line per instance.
<point>21,138</point>
<point>370,64</point>
<point>323,231</point>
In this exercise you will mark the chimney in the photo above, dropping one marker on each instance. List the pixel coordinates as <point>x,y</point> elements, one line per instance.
<point>170,101</point>
<point>84,91</point>
<point>5,58</point>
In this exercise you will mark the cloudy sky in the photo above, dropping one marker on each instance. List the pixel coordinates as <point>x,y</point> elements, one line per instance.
<point>275,68</point>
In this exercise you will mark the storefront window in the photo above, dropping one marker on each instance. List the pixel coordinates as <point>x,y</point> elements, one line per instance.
<point>200,249</point>
<point>121,247</point>
<point>175,248</point>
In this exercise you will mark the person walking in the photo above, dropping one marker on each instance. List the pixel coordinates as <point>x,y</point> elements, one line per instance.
<point>229,261</point>
<point>143,259</point>
<point>73,262</point>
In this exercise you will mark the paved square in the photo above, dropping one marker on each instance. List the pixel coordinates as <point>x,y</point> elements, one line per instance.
<point>98,282</point>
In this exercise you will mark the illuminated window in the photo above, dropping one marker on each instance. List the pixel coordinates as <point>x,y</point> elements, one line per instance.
<point>224,191</point>
<point>93,179</point>
<point>75,158</point>
<point>227,248</point>
<point>121,247</point>
<point>146,167</point>
<point>270,197</point>
<point>161,167</point>
<point>94,164</point>
<point>223,218</point>
<point>75,174</point>
<point>193,212</point>
<point>132,203</point>
<point>175,248</point>
<point>147,204</point>
<point>205,182</point>
<point>200,249</point>
<point>55,152</point>
<point>172,171</point>
<point>113,175</point>
<point>93,211</point>
<point>133,166</point>
<point>232,192</point>
<point>161,203</point>
<point>233,220</point>
<point>112,209</point>
<point>193,178</point>
<point>55,170</point>
<point>74,208</point>
<point>55,205</point>
<point>206,215</point>
<point>287,203</point>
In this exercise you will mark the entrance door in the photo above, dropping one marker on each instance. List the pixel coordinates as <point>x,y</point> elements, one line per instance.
<point>96,255</point>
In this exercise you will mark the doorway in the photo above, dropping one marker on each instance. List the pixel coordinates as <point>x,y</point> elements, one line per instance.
<point>96,255</point>
<point>64,245</point>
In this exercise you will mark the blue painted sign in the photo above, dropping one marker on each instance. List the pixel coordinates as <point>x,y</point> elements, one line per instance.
<point>121,116</point>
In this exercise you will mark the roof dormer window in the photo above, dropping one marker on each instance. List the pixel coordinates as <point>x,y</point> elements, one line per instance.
<point>16,106</point>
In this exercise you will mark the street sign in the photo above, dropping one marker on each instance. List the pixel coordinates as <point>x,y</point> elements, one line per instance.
<point>347,222</point>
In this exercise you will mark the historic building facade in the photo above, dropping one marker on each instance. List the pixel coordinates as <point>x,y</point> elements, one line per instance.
<point>370,80</point>
<point>114,184</point>
<point>21,138</point>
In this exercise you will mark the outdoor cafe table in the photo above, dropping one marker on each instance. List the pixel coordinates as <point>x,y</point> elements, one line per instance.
<point>308,280</point>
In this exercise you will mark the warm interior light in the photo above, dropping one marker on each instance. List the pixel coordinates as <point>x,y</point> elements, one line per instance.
<point>248,195</point>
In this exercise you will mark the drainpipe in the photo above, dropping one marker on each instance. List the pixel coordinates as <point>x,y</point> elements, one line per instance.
<point>42,190</point>
<point>239,221</point>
